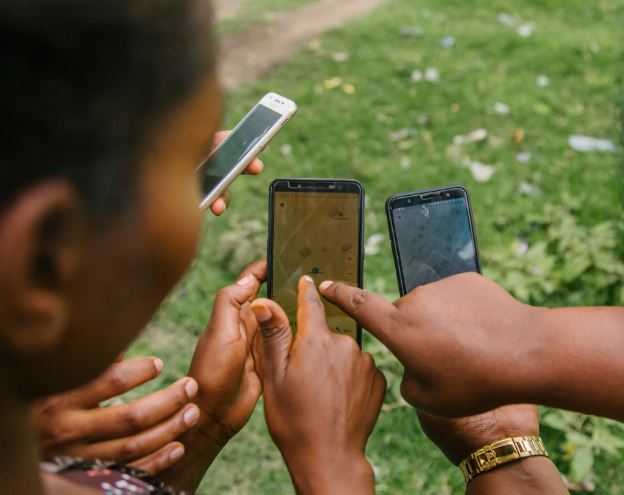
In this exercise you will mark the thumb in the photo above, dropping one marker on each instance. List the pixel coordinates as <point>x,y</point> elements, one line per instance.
<point>276,337</point>
<point>371,311</point>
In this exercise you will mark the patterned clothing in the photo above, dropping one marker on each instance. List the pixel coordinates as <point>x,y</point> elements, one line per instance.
<point>108,477</point>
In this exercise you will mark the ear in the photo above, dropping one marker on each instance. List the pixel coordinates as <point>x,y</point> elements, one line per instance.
<point>41,244</point>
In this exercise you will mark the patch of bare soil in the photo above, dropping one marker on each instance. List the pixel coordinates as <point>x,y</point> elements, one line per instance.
<point>247,55</point>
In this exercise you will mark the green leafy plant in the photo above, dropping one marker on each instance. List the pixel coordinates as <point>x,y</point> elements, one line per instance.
<point>560,261</point>
<point>585,438</point>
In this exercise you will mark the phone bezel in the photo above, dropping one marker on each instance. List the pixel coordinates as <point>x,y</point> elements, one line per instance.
<point>425,196</point>
<point>285,107</point>
<point>309,185</point>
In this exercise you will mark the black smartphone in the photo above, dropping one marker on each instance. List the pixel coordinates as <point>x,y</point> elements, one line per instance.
<point>432,234</point>
<point>316,228</point>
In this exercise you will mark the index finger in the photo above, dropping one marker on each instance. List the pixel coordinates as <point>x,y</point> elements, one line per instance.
<point>370,310</point>
<point>310,309</point>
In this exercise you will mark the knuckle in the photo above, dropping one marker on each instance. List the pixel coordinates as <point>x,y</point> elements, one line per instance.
<point>347,344</point>
<point>117,379</point>
<point>274,331</point>
<point>129,450</point>
<point>357,299</point>
<point>408,391</point>
<point>368,361</point>
<point>58,434</point>
<point>133,418</point>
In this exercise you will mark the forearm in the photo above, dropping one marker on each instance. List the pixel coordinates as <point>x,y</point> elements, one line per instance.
<point>530,476</point>
<point>314,475</point>
<point>581,367</point>
<point>202,445</point>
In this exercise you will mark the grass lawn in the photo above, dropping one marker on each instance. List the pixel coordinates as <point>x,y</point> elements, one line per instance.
<point>395,134</point>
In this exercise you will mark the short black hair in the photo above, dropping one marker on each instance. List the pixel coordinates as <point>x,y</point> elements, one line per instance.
<point>82,84</point>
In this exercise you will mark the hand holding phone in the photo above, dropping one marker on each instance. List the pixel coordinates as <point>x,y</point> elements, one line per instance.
<point>238,149</point>
<point>316,229</point>
<point>219,205</point>
<point>322,396</point>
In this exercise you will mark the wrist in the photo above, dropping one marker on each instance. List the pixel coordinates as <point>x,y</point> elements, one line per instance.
<point>207,437</point>
<point>526,370</point>
<point>328,473</point>
<point>524,476</point>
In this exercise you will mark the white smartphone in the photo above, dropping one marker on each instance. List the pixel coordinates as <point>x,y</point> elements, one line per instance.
<point>248,138</point>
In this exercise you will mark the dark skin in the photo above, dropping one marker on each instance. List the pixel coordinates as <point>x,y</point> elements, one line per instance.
<point>66,331</point>
<point>143,433</point>
<point>459,437</point>
<point>468,346</point>
<point>322,396</point>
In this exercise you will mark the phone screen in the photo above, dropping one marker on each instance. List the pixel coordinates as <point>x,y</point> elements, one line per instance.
<point>240,142</point>
<point>315,234</point>
<point>434,240</point>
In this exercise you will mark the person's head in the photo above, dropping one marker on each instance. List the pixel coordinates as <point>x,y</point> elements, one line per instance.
<point>107,108</point>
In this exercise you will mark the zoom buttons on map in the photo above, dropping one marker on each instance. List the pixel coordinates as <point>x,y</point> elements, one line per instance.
<point>349,260</point>
<point>349,273</point>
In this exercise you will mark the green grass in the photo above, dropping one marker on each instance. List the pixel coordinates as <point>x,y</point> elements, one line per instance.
<point>575,43</point>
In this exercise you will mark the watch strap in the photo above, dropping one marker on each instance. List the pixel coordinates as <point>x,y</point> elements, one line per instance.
<point>501,452</point>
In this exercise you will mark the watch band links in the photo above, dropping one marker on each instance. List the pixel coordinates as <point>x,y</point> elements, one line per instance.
<point>501,452</point>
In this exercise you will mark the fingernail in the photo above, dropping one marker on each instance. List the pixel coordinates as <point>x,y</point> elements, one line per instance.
<point>245,280</point>
<point>191,416</point>
<point>261,312</point>
<point>158,364</point>
<point>326,285</point>
<point>191,388</point>
<point>176,454</point>
<point>307,278</point>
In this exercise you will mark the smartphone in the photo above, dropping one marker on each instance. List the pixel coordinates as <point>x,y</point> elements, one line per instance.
<point>316,228</point>
<point>432,234</point>
<point>248,138</point>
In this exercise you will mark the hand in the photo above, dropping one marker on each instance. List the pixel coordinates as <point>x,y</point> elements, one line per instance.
<point>223,365</point>
<point>254,168</point>
<point>322,396</point>
<point>141,432</point>
<point>467,346</point>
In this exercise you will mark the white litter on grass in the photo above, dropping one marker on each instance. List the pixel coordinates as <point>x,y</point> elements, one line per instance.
<point>526,29</point>
<point>542,80</point>
<point>340,56</point>
<point>432,74</point>
<point>480,171</point>
<point>286,150</point>
<point>524,157</point>
<point>475,136</point>
<point>501,108</point>
<point>586,144</point>
<point>411,32</point>
<point>507,19</point>
<point>406,162</point>
<point>448,41</point>
<point>530,190</point>
<point>403,134</point>
<point>416,76</point>
<point>373,243</point>
<point>522,247</point>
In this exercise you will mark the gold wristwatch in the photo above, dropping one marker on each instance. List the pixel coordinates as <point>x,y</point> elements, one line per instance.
<point>501,452</point>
